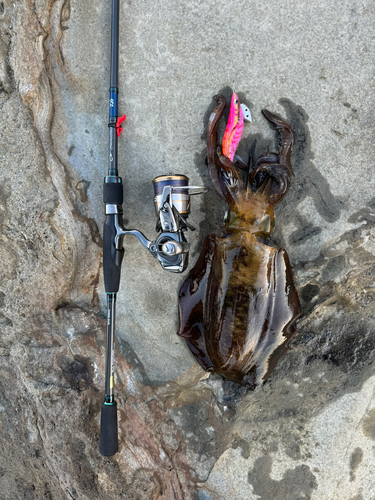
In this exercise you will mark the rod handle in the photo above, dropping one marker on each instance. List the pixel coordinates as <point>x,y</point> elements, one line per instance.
<point>112,258</point>
<point>108,441</point>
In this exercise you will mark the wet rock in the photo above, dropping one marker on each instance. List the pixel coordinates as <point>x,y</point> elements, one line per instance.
<point>184,434</point>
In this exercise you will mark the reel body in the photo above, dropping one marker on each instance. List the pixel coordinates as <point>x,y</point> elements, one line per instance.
<point>172,207</point>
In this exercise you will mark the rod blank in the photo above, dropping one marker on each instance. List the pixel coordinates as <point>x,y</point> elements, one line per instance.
<point>115,42</point>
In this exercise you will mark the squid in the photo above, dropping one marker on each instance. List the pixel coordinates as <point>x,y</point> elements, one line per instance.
<point>238,306</point>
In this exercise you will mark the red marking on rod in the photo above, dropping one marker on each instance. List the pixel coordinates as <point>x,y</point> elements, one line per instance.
<point>120,119</point>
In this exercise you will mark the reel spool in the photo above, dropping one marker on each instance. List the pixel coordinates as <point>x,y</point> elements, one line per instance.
<point>180,196</point>
<point>180,192</point>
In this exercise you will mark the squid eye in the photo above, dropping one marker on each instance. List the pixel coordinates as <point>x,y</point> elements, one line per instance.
<point>235,102</point>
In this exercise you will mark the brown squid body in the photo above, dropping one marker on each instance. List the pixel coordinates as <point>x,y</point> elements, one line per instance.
<point>238,305</point>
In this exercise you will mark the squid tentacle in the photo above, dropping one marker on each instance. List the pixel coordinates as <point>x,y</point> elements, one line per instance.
<point>286,138</point>
<point>278,174</point>
<point>277,166</point>
<point>211,158</point>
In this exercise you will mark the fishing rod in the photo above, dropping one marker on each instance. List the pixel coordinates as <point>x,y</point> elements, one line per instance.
<point>172,208</point>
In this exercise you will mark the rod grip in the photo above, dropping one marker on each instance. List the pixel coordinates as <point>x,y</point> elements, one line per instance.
<point>112,258</point>
<point>113,193</point>
<point>108,441</point>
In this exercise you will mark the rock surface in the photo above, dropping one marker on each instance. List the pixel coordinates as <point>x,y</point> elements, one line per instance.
<point>309,432</point>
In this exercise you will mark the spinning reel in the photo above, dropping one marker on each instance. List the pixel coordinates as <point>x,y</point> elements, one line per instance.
<point>172,208</point>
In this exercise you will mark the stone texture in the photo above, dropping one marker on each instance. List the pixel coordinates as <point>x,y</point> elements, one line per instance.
<point>309,432</point>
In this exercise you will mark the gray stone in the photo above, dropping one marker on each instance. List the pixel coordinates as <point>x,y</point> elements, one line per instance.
<point>184,434</point>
